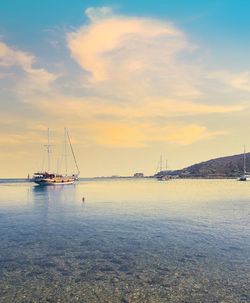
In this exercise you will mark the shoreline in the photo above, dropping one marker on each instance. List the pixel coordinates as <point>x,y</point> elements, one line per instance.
<point>23,180</point>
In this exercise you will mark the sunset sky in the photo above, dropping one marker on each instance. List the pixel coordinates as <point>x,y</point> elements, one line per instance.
<point>131,80</point>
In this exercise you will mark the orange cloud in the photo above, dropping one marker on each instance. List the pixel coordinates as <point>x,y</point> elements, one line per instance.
<point>137,73</point>
<point>134,135</point>
<point>90,108</point>
<point>125,49</point>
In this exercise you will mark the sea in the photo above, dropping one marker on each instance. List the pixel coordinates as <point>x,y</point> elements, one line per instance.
<point>125,240</point>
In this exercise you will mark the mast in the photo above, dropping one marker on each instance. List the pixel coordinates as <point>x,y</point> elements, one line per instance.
<point>48,146</point>
<point>166,165</point>
<point>244,160</point>
<point>65,151</point>
<point>161,163</point>
<point>157,168</point>
<point>67,133</point>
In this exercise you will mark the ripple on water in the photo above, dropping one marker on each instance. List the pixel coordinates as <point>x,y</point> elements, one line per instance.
<point>174,242</point>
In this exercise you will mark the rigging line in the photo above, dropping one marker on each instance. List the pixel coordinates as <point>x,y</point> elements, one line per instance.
<point>49,149</point>
<point>65,152</point>
<point>244,161</point>
<point>161,163</point>
<point>78,171</point>
<point>43,161</point>
<point>157,168</point>
<point>60,160</point>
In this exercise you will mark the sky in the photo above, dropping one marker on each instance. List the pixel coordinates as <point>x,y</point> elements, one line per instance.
<point>131,80</point>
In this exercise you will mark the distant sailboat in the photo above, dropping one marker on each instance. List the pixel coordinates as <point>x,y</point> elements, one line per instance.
<point>245,176</point>
<point>162,174</point>
<point>52,178</point>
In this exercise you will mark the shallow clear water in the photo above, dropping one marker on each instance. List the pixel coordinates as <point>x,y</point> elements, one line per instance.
<point>130,241</point>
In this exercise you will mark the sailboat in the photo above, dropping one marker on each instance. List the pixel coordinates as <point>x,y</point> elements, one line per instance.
<point>162,174</point>
<point>245,176</point>
<point>52,178</point>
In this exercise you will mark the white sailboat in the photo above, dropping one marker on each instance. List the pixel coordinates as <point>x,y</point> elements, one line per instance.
<point>52,178</point>
<point>245,176</point>
<point>162,174</point>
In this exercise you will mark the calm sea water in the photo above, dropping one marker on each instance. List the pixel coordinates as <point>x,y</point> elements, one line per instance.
<point>130,241</point>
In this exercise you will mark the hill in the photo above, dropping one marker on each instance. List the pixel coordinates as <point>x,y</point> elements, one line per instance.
<point>224,167</point>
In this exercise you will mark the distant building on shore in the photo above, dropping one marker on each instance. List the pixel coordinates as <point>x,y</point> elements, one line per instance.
<point>138,175</point>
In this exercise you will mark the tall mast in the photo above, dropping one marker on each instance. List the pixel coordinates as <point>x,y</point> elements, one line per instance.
<point>48,149</point>
<point>166,164</point>
<point>78,171</point>
<point>244,160</point>
<point>65,151</point>
<point>157,168</point>
<point>161,163</point>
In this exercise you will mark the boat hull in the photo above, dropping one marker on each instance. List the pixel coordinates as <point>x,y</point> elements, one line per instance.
<point>164,178</point>
<point>244,178</point>
<point>52,183</point>
<point>53,180</point>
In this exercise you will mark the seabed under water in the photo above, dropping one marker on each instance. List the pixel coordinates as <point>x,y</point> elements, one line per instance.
<point>130,241</point>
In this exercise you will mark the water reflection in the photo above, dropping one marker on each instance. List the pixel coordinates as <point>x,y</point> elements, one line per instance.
<point>131,241</point>
<point>52,193</point>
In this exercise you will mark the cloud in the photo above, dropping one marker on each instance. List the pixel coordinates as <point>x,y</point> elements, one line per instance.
<point>235,81</point>
<point>133,59</point>
<point>123,126</point>
<point>14,139</point>
<point>10,57</point>
<point>133,55</point>
<point>38,79</point>
<point>97,13</point>
<point>139,69</point>
<point>142,80</point>
<point>91,107</point>
<point>137,135</point>
<point>190,134</point>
